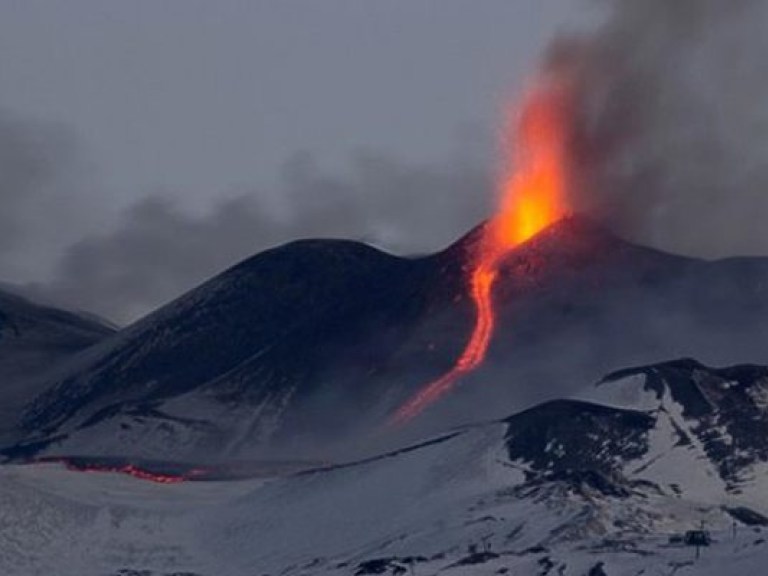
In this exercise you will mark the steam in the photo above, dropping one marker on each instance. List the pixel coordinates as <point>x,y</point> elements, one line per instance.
<point>670,139</point>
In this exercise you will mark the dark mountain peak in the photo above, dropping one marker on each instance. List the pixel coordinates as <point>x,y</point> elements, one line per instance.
<point>315,252</point>
<point>33,339</point>
<point>567,435</point>
<point>744,374</point>
<point>331,335</point>
<point>570,245</point>
<point>290,314</point>
<point>684,364</point>
<point>577,227</point>
<point>14,305</point>
<point>276,288</point>
<point>573,230</point>
<point>578,240</point>
<point>561,415</point>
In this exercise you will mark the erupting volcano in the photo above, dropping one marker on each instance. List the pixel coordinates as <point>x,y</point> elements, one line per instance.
<point>532,197</point>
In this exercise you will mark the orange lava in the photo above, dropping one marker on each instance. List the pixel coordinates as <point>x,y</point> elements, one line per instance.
<point>532,195</point>
<point>79,465</point>
<point>130,470</point>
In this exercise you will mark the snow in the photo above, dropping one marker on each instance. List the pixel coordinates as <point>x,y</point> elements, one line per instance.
<point>55,521</point>
<point>432,502</point>
<point>684,466</point>
<point>431,509</point>
<point>687,467</point>
<point>628,393</point>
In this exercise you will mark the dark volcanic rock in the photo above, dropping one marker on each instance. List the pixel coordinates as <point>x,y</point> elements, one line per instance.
<point>33,340</point>
<point>318,341</point>
<point>678,411</point>
<point>747,516</point>
<point>566,437</point>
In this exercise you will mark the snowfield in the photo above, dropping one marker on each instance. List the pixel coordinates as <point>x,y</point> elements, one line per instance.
<point>434,509</point>
<point>568,487</point>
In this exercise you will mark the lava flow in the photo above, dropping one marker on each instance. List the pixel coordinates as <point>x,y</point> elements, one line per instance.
<point>143,471</point>
<point>130,470</point>
<point>532,197</point>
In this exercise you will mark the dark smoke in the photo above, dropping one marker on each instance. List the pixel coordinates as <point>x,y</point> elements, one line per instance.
<point>671,124</point>
<point>51,250</point>
<point>42,193</point>
<point>160,250</point>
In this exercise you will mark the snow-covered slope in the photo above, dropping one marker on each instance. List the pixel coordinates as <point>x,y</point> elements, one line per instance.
<point>717,417</point>
<point>567,478</point>
<point>565,487</point>
<point>34,339</point>
<point>318,341</point>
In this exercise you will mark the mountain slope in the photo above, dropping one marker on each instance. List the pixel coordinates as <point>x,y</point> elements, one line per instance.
<point>568,480</point>
<point>560,488</point>
<point>33,339</point>
<point>331,335</point>
<point>703,414</point>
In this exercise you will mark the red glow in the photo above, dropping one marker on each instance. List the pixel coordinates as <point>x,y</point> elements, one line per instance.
<point>130,470</point>
<point>82,465</point>
<point>532,198</point>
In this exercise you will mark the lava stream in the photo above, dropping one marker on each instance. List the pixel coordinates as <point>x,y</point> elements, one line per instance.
<point>483,279</point>
<point>532,198</point>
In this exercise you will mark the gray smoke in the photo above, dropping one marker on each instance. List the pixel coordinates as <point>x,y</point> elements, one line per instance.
<point>671,126</point>
<point>42,193</point>
<point>60,245</point>
<point>160,250</point>
<point>670,142</point>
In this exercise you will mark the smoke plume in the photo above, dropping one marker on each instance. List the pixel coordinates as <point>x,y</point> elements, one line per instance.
<point>160,250</point>
<point>43,188</point>
<point>669,148</point>
<point>670,140</point>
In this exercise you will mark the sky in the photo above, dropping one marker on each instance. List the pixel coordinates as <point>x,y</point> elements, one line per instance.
<point>179,109</point>
<point>147,145</point>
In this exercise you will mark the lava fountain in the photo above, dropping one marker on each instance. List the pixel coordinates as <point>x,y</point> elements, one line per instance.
<point>532,196</point>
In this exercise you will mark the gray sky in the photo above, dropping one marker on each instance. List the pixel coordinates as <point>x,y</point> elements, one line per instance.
<point>196,96</point>
<point>205,102</point>
<point>147,144</point>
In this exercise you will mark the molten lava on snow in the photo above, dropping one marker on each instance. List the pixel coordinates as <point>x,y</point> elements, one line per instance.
<point>532,196</point>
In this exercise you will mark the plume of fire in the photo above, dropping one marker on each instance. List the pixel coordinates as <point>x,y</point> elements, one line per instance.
<point>532,196</point>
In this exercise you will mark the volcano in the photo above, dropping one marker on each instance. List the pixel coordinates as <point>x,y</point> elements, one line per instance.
<point>313,345</point>
<point>33,338</point>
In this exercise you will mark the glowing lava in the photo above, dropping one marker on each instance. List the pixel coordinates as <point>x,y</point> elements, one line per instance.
<point>115,466</point>
<point>532,198</point>
<point>130,470</point>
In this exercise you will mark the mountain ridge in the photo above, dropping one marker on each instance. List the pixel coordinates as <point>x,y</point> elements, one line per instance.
<point>561,487</point>
<point>332,335</point>
<point>34,338</point>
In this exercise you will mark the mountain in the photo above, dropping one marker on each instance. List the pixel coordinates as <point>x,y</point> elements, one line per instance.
<point>308,347</point>
<point>571,487</point>
<point>33,339</point>
<point>556,489</point>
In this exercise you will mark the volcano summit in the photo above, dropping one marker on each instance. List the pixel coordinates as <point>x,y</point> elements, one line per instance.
<point>316,343</point>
